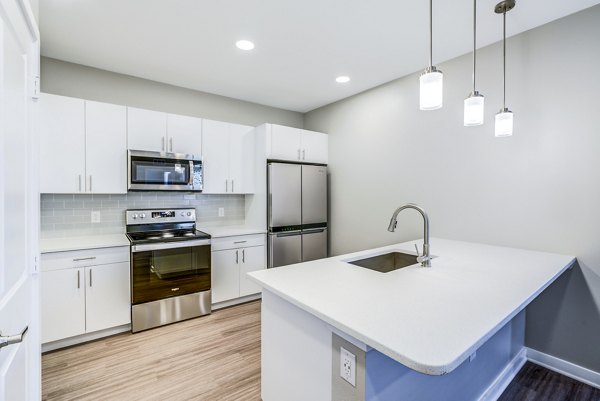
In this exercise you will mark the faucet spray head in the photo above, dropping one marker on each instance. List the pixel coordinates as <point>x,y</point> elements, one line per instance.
<point>392,226</point>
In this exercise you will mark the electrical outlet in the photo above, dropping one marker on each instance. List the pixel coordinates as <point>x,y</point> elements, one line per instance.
<point>221,211</point>
<point>96,217</point>
<point>348,366</point>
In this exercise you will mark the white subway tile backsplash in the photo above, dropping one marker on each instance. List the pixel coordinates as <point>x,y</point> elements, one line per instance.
<point>66,215</point>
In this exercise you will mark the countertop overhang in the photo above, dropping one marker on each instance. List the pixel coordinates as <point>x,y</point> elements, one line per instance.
<point>428,319</point>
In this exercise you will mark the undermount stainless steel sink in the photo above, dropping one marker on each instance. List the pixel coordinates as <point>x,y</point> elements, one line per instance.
<point>387,262</point>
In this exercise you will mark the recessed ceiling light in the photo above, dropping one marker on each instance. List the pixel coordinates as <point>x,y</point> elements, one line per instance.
<point>342,79</point>
<point>244,44</point>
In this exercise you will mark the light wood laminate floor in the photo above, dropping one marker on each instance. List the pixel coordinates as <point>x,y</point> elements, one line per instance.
<point>214,357</point>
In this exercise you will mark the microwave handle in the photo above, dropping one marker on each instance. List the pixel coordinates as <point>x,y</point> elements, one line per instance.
<point>191,179</point>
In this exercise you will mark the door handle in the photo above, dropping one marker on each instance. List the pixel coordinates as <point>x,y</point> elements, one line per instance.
<point>78,279</point>
<point>79,182</point>
<point>226,185</point>
<point>162,145</point>
<point>90,183</point>
<point>171,143</point>
<point>237,257</point>
<point>90,278</point>
<point>243,256</point>
<point>10,340</point>
<point>232,183</point>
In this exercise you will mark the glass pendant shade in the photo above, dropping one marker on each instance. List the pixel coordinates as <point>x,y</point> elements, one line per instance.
<point>504,123</point>
<point>431,89</point>
<point>474,109</point>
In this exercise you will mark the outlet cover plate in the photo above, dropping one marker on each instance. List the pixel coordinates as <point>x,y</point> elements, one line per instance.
<point>348,366</point>
<point>96,217</point>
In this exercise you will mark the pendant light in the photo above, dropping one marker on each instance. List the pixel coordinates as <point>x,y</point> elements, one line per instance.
<point>431,80</point>
<point>504,118</point>
<point>474,102</point>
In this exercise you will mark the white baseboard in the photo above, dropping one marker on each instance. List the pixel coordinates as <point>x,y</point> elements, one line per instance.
<point>236,301</point>
<point>84,338</point>
<point>566,368</point>
<point>495,390</point>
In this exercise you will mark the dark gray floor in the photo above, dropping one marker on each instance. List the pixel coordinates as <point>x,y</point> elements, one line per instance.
<point>535,383</point>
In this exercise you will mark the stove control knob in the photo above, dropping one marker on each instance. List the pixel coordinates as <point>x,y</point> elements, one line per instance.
<point>142,216</point>
<point>182,214</point>
<point>189,213</point>
<point>135,216</point>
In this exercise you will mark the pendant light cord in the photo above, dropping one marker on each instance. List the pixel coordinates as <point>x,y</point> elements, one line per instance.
<point>430,33</point>
<point>474,40</point>
<point>504,61</point>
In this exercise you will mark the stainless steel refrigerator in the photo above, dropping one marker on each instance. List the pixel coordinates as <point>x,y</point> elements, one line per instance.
<point>297,213</point>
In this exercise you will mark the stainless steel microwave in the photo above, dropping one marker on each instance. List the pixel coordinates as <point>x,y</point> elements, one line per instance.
<point>160,171</point>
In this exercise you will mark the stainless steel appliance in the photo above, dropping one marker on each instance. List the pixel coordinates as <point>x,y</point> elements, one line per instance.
<point>297,213</point>
<point>170,267</point>
<point>160,171</point>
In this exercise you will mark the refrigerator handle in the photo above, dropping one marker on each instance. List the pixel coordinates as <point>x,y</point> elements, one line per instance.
<point>288,234</point>
<point>313,231</point>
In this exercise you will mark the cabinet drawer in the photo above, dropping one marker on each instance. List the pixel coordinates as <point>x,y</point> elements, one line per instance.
<point>239,241</point>
<point>86,257</point>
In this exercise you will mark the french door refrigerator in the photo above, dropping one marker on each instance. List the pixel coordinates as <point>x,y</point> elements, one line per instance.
<point>297,213</point>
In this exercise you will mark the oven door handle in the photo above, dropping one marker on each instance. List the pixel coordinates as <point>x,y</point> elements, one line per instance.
<point>169,245</point>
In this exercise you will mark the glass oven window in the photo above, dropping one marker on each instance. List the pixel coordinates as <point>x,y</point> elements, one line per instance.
<point>166,273</point>
<point>159,171</point>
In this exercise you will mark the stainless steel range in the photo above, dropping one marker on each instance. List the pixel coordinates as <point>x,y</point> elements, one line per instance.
<point>170,267</point>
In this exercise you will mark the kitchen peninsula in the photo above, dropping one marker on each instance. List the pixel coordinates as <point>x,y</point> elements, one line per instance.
<point>452,331</point>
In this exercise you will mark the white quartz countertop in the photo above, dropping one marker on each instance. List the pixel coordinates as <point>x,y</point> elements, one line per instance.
<point>428,319</point>
<point>230,231</point>
<point>48,245</point>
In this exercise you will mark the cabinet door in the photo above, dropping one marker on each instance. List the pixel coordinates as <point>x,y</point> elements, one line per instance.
<point>314,147</point>
<point>184,134</point>
<point>63,304</point>
<point>105,148</point>
<point>241,159</point>
<point>62,144</point>
<point>107,300</point>
<point>215,157</point>
<point>146,130</point>
<point>225,269</point>
<point>253,259</point>
<point>285,143</point>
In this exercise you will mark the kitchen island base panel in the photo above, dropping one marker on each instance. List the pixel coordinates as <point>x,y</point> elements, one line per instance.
<point>297,362</point>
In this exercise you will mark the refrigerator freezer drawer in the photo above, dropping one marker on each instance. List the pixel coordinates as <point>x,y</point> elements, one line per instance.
<point>285,249</point>
<point>314,244</point>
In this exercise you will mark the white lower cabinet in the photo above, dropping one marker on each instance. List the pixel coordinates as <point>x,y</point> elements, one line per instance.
<point>231,259</point>
<point>78,299</point>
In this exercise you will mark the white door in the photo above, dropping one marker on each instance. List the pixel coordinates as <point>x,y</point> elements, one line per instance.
<point>62,144</point>
<point>253,259</point>
<point>314,147</point>
<point>184,134</point>
<point>19,203</point>
<point>215,157</point>
<point>105,148</point>
<point>241,159</point>
<point>146,130</point>
<point>285,143</point>
<point>107,301</point>
<point>63,306</point>
<point>225,275</point>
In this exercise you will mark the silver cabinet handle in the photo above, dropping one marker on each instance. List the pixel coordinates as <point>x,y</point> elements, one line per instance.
<point>237,256</point>
<point>10,340</point>
<point>232,183</point>
<point>78,259</point>
<point>90,183</point>
<point>298,154</point>
<point>243,256</point>
<point>303,154</point>
<point>162,145</point>
<point>240,242</point>
<point>79,182</point>
<point>171,143</point>
<point>226,185</point>
<point>78,279</point>
<point>90,277</point>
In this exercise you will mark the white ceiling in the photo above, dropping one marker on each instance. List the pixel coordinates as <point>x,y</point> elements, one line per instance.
<point>301,45</point>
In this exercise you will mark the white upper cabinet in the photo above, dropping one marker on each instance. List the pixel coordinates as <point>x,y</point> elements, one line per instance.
<point>146,130</point>
<point>62,144</point>
<point>105,147</point>
<point>161,132</point>
<point>295,144</point>
<point>82,146</point>
<point>227,158</point>
<point>184,134</point>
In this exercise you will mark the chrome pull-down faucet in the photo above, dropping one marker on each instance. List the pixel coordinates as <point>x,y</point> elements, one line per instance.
<point>425,258</point>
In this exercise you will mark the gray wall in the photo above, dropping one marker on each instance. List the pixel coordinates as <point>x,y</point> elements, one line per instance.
<point>68,79</point>
<point>539,189</point>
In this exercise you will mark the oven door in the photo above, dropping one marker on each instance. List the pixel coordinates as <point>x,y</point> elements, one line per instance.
<point>169,269</point>
<point>154,171</point>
